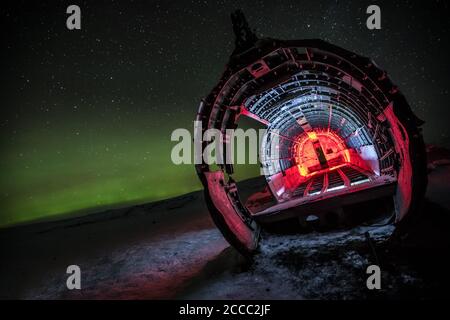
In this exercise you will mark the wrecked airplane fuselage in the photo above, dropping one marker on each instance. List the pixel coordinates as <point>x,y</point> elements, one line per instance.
<point>345,134</point>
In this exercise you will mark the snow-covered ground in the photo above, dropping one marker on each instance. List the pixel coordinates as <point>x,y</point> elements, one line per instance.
<point>312,266</point>
<point>146,252</point>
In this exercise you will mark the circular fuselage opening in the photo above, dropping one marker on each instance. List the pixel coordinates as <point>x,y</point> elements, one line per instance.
<point>338,134</point>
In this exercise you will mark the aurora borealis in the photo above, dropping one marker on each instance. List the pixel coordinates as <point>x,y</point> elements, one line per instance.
<point>87,114</point>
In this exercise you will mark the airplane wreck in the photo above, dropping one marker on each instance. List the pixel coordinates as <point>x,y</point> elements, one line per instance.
<point>346,136</point>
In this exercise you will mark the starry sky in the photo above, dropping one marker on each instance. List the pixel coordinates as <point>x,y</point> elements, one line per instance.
<point>86,115</point>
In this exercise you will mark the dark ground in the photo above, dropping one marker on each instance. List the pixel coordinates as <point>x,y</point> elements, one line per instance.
<point>143,252</point>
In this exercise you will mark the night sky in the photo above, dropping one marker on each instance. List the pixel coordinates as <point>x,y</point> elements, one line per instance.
<point>86,115</point>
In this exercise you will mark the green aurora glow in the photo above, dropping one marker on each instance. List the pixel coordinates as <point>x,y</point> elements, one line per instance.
<point>46,175</point>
